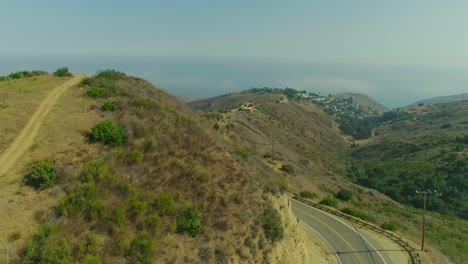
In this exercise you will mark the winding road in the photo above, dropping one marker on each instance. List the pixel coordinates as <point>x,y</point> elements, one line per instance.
<point>348,243</point>
<point>26,137</point>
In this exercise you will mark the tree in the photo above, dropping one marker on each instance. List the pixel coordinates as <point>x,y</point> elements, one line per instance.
<point>344,195</point>
<point>62,72</point>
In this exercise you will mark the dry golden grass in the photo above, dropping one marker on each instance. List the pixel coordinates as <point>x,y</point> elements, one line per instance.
<point>19,99</point>
<point>60,138</point>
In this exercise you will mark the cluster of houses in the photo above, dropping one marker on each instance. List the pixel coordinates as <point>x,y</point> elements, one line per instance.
<point>338,107</point>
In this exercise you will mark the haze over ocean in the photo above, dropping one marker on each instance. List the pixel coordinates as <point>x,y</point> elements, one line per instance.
<point>391,85</point>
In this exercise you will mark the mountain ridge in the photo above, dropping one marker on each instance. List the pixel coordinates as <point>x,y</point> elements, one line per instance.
<point>441,99</point>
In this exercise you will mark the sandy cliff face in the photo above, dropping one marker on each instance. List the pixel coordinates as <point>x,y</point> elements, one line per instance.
<point>298,245</point>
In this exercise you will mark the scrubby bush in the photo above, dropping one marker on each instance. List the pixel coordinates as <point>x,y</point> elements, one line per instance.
<point>95,92</point>
<point>111,75</point>
<point>42,174</point>
<point>188,221</point>
<point>40,250</point>
<point>308,194</point>
<point>344,195</point>
<point>62,72</point>
<point>288,168</point>
<point>271,224</point>
<point>390,225</point>
<point>242,152</point>
<point>83,199</point>
<point>89,259</point>
<point>358,214</point>
<point>329,201</point>
<point>135,156</point>
<point>141,248</point>
<point>165,204</point>
<point>108,133</point>
<point>109,106</point>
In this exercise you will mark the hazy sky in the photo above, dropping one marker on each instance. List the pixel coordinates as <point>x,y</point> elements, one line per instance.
<point>417,33</point>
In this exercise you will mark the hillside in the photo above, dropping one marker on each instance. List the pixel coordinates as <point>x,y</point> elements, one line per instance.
<point>442,99</point>
<point>363,100</point>
<point>299,137</point>
<point>272,127</point>
<point>425,151</point>
<point>121,172</point>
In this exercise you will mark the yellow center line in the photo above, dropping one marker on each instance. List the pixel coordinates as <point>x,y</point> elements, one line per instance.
<point>333,230</point>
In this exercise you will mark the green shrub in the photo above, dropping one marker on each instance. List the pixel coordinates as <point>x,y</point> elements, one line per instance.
<point>390,225</point>
<point>109,106</point>
<point>242,152</point>
<point>188,221</point>
<point>89,259</point>
<point>94,172</point>
<point>165,204</point>
<point>42,174</point>
<point>288,169</point>
<point>95,92</point>
<point>153,221</point>
<point>83,199</point>
<point>329,201</point>
<point>118,218</point>
<point>62,72</point>
<point>141,248</point>
<point>358,214</point>
<point>135,156</point>
<point>111,75</point>
<point>108,133</point>
<point>271,224</point>
<point>40,248</point>
<point>308,194</point>
<point>344,195</point>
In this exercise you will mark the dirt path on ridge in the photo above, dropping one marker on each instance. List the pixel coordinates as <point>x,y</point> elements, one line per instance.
<point>26,137</point>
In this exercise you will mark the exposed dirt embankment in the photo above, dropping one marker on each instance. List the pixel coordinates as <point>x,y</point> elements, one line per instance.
<point>298,244</point>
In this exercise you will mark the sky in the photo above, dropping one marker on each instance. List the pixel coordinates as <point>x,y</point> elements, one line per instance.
<point>357,41</point>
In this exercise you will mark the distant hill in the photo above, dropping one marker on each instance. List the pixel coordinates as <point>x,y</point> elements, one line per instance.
<point>363,100</point>
<point>442,99</point>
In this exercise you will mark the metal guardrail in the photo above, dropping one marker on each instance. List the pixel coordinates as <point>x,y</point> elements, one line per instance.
<point>405,245</point>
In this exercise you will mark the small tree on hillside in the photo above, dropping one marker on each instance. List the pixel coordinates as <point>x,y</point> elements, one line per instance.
<point>62,72</point>
<point>344,195</point>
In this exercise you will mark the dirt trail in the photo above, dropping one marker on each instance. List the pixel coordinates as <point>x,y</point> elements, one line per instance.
<point>26,137</point>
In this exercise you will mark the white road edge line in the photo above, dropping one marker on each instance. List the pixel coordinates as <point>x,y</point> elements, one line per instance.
<point>315,231</point>
<point>332,216</point>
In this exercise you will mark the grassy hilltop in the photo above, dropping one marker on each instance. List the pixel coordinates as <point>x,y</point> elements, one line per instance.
<point>144,182</point>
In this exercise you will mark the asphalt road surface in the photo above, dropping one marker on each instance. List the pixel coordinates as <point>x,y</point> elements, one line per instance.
<point>349,244</point>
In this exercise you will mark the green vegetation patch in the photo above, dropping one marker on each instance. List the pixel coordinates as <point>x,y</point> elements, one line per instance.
<point>188,221</point>
<point>109,105</point>
<point>22,74</point>
<point>329,201</point>
<point>344,195</point>
<point>108,133</point>
<point>390,225</point>
<point>141,248</point>
<point>42,174</point>
<point>358,214</point>
<point>308,194</point>
<point>62,72</point>
<point>43,247</point>
<point>288,168</point>
<point>271,224</point>
<point>103,84</point>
